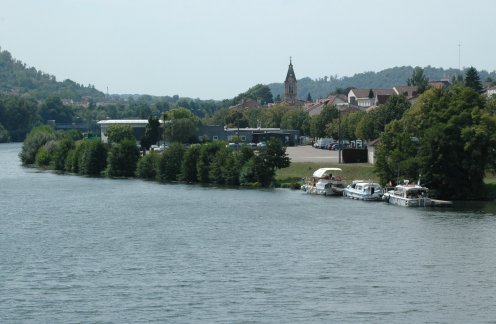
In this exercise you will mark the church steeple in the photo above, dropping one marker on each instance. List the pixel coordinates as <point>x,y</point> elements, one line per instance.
<point>290,84</point>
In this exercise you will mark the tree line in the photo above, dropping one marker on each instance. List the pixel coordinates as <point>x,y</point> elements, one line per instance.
<point>207,163</point>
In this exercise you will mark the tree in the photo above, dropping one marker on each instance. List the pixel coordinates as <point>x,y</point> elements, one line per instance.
<point>60,153</point>
<point>296,119</point>
<point>472,80</point>
<point>123,158</point>
<point>93,158</point>
<point>418,79</point>
<point>318,124</point>
<point>36,138</point>
<point>189,172</point>
<point>54,109</point>
<point>119,133</point>
<point>170,162</point>
<point>371,94</point>
<point>235,119</point>
<point>152,133</point>
<point>264,165</point>
<point>447,136</point>
<point>309,97</point>
<point>181,125</point>
<point>148,166</point>
<point>4,135</point>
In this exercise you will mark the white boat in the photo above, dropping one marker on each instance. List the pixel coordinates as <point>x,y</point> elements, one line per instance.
<point>363,190</point>
<point>325,181</point>
<point>408,195</point>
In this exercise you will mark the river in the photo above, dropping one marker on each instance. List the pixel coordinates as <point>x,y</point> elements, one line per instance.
<point>89,250</point>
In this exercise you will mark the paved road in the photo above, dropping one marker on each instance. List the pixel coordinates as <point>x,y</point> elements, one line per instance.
<point>307,153</point>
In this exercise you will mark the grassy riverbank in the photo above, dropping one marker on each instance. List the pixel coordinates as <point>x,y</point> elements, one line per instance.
<point>297,171</point>
<point>292,177</point>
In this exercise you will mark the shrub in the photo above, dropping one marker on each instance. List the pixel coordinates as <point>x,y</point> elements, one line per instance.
<point>123,158</point>
<point>36,138</point>
<point>147,167</point>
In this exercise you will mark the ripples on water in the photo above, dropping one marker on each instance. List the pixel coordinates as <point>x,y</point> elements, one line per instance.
<point>77,249</point>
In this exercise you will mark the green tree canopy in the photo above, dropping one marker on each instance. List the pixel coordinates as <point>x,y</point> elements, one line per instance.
<point>418,79</point>
<point>447,136</point>
<point>472,80</point>
<point>119,133</point>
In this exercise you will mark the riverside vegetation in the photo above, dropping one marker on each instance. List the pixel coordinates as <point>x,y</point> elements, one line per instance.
<point>207,163</point>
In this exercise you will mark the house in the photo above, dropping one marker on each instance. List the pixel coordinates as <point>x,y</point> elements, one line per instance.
<point>360,97</point>
<point>491,91</point>
<point>364,98</point>
<point>247,103</point>
<point>315,108</point>
<point>407,91</point>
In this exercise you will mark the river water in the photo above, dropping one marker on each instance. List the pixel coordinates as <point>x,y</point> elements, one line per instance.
<point>87,250</point>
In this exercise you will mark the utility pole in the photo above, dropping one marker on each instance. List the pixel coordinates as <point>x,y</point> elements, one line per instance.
<point>459,53</point>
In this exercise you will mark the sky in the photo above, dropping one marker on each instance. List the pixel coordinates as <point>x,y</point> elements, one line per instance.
<point>216,49</point>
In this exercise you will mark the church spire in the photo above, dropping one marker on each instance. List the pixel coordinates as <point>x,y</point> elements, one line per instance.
<point>290,83</point>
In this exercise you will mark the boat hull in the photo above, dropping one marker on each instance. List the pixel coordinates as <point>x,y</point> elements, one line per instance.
<point>408,202</point>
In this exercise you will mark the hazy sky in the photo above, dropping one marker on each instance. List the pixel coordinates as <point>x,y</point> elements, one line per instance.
<point>216,49</point>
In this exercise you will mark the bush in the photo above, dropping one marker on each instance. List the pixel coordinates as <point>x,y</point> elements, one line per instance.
<point>93,159</point>
<point>60,153</point>
<point>123,158</point>
<point>42,158</point>
<point>36,138</point>
<point>189,172</point>
<point>148,165</point>
<point>170,162</point>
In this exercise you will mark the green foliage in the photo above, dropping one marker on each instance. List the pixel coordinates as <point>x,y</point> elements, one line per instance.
<point>216,174</point>
<point>235,118</point>
<point>472,80</point>
<point>93,158</point>
<point>152,133</point>
<point>38,137</point>
<point>54,109</point>
<point>148,166</point>
<point>447,136</point>
<point>258,92</point>
<point>418,79</point>
<point>189,172</point>
<point>118,133</point>
<point>170,162</point>
<point>42,158</point>
<point>319,123</point>
<point>60,153</point>
<point>181,127</point>
<point>261,167</point>
<point>372,124</point>
<point>207,154</point>
<point>4,135</point>
<point>16,77</point>
<point>18,115</point>
<point>123,158</point>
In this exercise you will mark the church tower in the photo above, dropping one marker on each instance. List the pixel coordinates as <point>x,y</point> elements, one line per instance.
<point>290,85</point>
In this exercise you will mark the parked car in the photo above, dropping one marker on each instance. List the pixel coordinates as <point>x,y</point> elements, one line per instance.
<point>337,146</point>
<point>262,144</point>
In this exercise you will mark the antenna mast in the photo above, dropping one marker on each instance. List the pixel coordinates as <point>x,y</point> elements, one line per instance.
<point>459,50</point>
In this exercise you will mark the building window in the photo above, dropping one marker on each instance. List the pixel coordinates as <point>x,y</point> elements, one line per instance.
<point>243,138</point>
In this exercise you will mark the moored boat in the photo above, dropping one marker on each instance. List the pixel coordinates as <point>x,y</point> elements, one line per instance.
<point>325,181</point>
<point>363,190</point>
<point>408,195</point>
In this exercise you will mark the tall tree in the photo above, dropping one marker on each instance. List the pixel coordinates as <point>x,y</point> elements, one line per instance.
<point>472,80</point>
<point>418,79</point>
<point>447,136</point>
